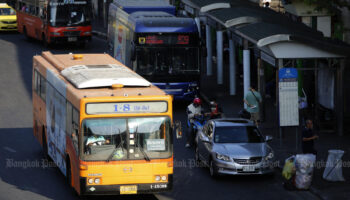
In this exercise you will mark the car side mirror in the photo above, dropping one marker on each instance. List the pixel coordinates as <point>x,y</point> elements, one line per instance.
<point>268,138</point>
<point>177,129</point>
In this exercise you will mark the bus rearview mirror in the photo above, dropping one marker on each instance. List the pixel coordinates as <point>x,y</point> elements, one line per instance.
<point>178,131</point>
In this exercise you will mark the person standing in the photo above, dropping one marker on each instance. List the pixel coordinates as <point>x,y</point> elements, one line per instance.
<point>253,100</point>
<point>308,137</point>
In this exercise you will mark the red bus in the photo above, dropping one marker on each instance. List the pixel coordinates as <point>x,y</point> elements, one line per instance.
<point>55,21</point>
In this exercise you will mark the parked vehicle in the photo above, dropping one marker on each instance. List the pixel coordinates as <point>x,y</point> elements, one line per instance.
<point>8,19</point>
<point>234,146</point>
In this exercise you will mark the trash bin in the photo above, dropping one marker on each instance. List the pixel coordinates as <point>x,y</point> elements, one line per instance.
<point>333,170</point>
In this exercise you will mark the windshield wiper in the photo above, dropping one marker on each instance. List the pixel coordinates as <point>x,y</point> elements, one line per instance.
<point>141,149</point>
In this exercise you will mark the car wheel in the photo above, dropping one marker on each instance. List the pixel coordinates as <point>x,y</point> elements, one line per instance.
<point>212,169</point>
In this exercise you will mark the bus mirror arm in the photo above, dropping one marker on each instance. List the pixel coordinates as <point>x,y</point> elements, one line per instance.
<point>177,129</point>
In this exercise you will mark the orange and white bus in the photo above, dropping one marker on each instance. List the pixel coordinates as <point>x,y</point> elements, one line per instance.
<point>108,130</point>
<point>55,21</point>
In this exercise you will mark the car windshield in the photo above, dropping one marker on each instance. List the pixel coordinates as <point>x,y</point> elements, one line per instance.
<point>69,15</point>
<point>7,11</point>
<point>237,134</point>
<point>167,61</point>
<point>126,138</point>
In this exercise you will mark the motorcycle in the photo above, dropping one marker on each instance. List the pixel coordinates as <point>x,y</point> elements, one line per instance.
<point>198,123</point>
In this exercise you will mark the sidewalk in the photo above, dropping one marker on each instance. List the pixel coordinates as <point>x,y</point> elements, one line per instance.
<point>285,146</point>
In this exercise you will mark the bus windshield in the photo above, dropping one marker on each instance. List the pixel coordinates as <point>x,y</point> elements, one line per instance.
<point>69,15</point>
<point>111,139</point>
<point>167,61</point>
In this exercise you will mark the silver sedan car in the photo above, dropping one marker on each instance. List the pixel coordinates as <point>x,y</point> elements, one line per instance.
<point>233,146</point>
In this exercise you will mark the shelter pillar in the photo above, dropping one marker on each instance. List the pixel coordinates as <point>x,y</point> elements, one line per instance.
<point>339,106</point>
<point>246,68</point>
<point>209,50</point>
<point>261,85</point>
<point>219,56</point>
<point>198,22</point>
<point>233,62</point>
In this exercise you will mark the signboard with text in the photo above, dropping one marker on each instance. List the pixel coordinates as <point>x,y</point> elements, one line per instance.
<point>288,97</point>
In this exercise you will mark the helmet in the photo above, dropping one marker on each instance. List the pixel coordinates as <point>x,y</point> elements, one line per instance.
<point>197,101</point>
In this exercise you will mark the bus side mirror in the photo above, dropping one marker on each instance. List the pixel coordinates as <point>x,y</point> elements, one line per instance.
<point>177,129</point>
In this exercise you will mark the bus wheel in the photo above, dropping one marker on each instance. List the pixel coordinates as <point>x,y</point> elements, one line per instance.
<point>26,33</point>
<point>45,150</point>
<point>44,41</point>
<point>68,172</point>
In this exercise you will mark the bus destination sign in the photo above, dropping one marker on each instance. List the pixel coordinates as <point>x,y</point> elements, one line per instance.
<point>164,39</point>
<point>126,107</point>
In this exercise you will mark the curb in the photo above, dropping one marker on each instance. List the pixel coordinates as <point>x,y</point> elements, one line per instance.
<point>100,34</point>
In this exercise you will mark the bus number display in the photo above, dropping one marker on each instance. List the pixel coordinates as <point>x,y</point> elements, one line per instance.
<point>129,107</point>
<point>165,39</point>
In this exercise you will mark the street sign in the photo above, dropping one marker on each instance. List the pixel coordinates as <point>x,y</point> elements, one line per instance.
<point>288,97</point>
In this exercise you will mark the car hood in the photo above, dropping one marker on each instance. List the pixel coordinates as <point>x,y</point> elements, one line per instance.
<point>242,150</point>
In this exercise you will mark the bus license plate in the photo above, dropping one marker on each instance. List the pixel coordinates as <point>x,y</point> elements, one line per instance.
<point>72,39</point>
<point>129,189</point>
<point>248,168</point>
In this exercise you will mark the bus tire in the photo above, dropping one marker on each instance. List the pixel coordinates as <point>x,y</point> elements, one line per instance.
<point>25,33</point>
<point>44,41</point>
<point>68,172</point>
<point>44,142</point>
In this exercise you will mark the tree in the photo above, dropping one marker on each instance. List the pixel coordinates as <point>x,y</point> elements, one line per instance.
<point>331,5</point>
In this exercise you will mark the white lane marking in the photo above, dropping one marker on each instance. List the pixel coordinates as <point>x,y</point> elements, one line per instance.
<point>9,149</point>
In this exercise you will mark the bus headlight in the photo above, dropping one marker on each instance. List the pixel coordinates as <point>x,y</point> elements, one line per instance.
<point>91,181</point>
<point>164,178</point>
<point>97,180</point>
<point>157,178</point>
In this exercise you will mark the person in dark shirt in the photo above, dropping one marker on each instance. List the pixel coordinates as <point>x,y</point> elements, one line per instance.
<point>308,137</point>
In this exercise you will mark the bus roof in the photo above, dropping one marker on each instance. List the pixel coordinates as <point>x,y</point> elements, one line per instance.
<point>89,71</point>
<point>131,6</point>
<point>161,22</point>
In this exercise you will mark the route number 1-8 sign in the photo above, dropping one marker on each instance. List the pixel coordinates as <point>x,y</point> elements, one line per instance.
<point>288,97</point>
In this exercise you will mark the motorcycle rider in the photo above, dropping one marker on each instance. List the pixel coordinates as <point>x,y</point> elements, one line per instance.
<point>193,110</point>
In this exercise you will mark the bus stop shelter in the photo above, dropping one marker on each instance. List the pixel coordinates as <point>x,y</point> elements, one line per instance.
<point>273,37</point>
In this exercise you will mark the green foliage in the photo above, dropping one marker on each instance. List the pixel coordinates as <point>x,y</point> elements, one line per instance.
<point>330,5</point>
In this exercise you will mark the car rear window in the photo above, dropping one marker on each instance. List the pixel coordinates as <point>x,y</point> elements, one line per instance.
<point>237,134</point>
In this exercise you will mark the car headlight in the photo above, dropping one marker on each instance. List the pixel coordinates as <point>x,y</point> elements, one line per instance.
<point>269,156</point>
<point>222,157</point>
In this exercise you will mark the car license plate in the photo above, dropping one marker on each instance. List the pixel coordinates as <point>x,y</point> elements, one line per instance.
<point>248,168</point>
<point>72,39</point>
<point>129,189</point>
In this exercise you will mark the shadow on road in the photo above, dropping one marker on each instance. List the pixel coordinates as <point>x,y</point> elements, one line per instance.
<point>22,168</point>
